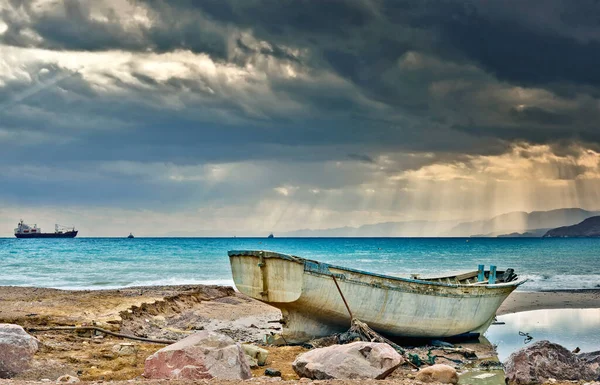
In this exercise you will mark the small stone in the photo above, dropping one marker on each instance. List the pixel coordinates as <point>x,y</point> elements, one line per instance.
<point>259,354</point>
<point>272,372</point>
<point>67,379</point>
<point>125,349</point>
<point>438,373</point>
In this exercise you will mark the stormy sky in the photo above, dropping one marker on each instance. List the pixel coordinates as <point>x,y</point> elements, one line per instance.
<point>242,117</point>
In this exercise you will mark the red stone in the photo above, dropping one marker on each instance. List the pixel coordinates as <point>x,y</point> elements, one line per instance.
<point>203,355</point>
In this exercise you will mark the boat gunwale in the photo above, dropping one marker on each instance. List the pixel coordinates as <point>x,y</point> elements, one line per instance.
<point>300,260</point>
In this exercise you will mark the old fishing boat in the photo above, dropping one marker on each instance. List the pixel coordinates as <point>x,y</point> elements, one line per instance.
<point>317,298</point>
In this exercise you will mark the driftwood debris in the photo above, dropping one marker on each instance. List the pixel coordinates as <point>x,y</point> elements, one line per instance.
<point>98,329</point>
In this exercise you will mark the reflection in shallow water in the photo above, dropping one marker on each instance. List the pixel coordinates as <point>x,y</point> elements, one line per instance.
<point>490,377</point>
<point>570,328</point>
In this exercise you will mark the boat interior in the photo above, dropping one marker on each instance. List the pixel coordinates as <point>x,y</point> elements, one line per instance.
<point>477,277</point>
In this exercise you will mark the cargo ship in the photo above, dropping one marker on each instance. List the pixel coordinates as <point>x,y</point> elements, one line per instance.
<point>24,230</point>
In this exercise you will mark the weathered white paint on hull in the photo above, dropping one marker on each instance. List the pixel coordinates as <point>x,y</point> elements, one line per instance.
<point>312,306</point>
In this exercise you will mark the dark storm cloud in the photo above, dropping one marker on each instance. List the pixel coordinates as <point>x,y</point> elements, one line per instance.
<point>540,116</point>
<point>537,44</point>
<point>274,51</point>
<point>67,27</point>
<point>514,51</point>
<point>100,128</point>
<point>534,42</point>
<point>368,78</point>
<point>361,158</point>
<point>360,40</point>
<point>71,26</point>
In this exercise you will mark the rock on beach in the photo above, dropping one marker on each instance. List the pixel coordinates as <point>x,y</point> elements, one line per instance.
<point>544,360</point>
<point>438,373</point>
<point>16,350</point>
<point>202,355</point>
<point>67,379</point>
<point>259,355</point>
<point>357,360</point>
<point>125,349</point>
<point>592,359</point>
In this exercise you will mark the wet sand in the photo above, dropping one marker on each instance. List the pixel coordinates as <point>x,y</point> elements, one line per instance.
<point>558,299</point>
<point>173,312</point>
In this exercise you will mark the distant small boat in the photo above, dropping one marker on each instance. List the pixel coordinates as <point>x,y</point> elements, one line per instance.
<point>24,230</point>
<point>130,236</point>
<point>270,236</point>
<point>312,305</point>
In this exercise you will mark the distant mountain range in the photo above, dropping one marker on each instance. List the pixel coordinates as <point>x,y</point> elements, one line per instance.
<point>531,233</point>
<point>520,221</point>
<point>588,228</point>
<point>386,229</point>
<point>514,224</point>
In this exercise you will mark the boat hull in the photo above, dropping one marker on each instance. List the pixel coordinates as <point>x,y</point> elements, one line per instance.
<point>67,234</point>
<point>313,307</point>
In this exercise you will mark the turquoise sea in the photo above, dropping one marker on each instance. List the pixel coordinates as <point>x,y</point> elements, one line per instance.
<point>100,263</point>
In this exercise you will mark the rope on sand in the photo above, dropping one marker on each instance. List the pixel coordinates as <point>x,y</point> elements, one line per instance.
<point>96,328</point>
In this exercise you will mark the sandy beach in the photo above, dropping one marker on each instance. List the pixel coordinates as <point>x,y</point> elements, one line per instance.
<point>171,313</point>
<point>520,301</point>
